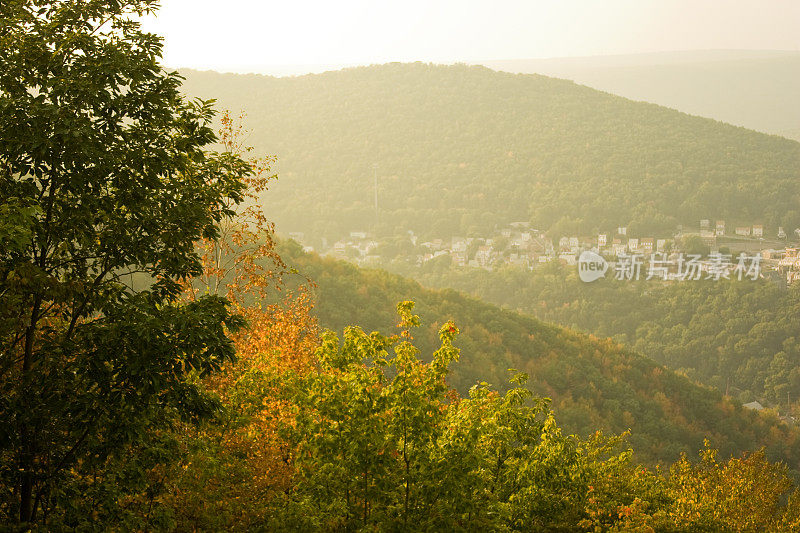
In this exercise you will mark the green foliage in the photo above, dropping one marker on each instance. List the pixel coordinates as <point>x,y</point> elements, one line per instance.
<point>380,444</point>
<point>740,337</point>
<point>106,184</point>
<point>694,245</point>
<point>383,445</point>
<point>595,384</point>
<point>743,495</point>
<point>690,81</point>
<point>463,149</point>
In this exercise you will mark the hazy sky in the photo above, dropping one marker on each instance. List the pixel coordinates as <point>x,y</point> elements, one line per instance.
<point>252,35</point>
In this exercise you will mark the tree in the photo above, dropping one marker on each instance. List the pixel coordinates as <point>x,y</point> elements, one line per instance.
<point>106,175</point>
<point>237,460</point>
<point>694,244</point>
<point>380,443</point>
<point>744,494</point>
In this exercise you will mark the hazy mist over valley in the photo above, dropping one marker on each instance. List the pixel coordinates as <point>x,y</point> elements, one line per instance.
<point>450,266</point>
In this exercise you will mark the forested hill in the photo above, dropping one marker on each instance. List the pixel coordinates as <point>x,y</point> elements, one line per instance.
<point>594,383</point>
<point>739,336</point>
<point>756,89</point>
<point>459,149</point>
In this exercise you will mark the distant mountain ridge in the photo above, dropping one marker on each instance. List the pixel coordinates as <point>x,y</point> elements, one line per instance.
<point>756,89</point>
<point>462,149</point>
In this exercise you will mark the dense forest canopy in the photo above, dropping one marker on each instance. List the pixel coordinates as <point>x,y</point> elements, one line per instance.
<point>162,365</point>
<point>461,149</point>
<point>756,89</point>
<point>740,337</point>
<point>594,383</point>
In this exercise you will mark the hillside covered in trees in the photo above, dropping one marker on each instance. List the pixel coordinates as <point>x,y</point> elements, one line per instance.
<point>461,149</point>
<point>740,337</point>
<point>756,89</point>
<point>594,383</point>
<point>162,368</point>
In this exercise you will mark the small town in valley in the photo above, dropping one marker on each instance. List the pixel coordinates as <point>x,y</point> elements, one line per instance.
<point>520,245</point>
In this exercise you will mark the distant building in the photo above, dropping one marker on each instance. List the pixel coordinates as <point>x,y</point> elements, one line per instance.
<point>743,231</point>
<point>296,235</point>
<point>789,259</point>
<point>568,259</point>
<point>484,255</point>
<point>755,406</point>
<point>370,247</point>
<point>661,244</point>
<point>633,244</point>
<point>622,230</point>
<point>358,234</point>
<point>781,233</point>
<point>705,223</point>
<point>573,242</point>
<point>602,239</point>
<point>720,228</point>
<point>646,244</point>
<point>517,241</point>
<point>758,230</point>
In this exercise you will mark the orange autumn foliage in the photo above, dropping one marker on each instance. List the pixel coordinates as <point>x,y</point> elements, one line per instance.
<point>243,459</point>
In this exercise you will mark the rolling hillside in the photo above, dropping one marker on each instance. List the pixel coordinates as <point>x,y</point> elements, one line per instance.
<point>739,337</point>
<point>461,149</point>
<point>754,89</point>
<point>594,383</point>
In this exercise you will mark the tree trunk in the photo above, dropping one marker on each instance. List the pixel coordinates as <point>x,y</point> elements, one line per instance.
<point>27,452</point>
